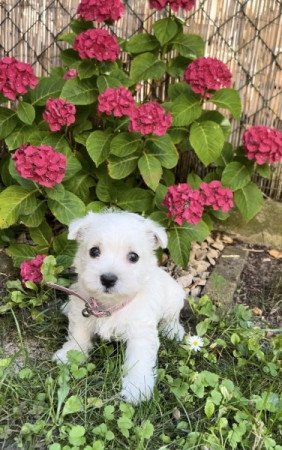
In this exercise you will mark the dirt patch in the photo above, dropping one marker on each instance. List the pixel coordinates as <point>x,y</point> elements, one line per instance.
<point>7,271</point>
<point>260,285</point>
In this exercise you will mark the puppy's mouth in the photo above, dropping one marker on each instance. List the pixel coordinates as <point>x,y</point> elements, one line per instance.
<point>111,296</point>
<point>108,291</point>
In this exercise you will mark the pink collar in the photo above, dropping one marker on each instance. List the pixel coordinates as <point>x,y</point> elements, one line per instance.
<point>91,306</point>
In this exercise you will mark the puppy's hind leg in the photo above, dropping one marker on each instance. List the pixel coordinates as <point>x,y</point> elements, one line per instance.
<point>170,325</point>
<point>171,328</point>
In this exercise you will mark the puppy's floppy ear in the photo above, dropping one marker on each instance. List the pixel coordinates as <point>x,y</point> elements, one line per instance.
<point>77,227</point>
<point>158,233</point>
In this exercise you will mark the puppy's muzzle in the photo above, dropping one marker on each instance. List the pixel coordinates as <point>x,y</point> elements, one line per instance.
<point>108,280</point>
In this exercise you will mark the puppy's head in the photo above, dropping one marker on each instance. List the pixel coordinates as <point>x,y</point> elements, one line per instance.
<point>116,252</point>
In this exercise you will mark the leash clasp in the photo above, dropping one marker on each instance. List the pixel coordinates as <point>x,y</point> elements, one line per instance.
<point>85,312</point>
<point>92,309</point>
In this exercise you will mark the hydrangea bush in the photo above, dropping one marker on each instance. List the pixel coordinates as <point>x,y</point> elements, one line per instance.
<point>81,140</point>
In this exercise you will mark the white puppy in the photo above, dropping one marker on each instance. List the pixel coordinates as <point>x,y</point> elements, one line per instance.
<point>117,266</point>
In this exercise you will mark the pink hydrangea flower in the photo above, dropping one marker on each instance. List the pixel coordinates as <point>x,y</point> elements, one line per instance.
<point>30,269</point>
<point>117,101</point>
<point>97,43</point>
<point>183,4</point>
<point>15,77</point>
<point>175,4</point>
<point>264,144</point>
<point>205,74</point>
<point>184,204</point>
<point>59,113</point>
<point>215,195</point>
<point>150,118</point>
<point>158,4</point>
<point>41,164</point>
<point>72,73</point>
<point>100,10</point>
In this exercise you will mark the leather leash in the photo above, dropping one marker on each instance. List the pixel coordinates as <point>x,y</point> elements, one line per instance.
<point>91,306</point>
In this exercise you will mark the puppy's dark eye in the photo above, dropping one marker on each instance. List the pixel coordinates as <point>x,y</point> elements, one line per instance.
<point>94,252</point>
<point>132,257</point>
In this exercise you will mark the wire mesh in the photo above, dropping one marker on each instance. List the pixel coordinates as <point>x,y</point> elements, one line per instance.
<point>245,34</point>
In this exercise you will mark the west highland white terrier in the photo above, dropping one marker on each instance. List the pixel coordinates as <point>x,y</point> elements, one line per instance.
<point>118,270</point>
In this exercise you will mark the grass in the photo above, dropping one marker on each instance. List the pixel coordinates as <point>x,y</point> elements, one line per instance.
<point>226,396</point>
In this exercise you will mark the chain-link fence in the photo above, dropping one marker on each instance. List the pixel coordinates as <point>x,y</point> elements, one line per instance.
<point>245,34</point>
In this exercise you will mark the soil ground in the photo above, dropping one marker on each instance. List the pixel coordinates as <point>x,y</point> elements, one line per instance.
<point>260,285</point>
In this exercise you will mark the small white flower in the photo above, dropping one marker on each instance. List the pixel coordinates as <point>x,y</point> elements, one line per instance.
<point>195,343</point>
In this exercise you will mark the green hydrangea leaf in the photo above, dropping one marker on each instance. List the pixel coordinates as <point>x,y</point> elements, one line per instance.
<point>264,170</point>
<point>150,169</point>
<point>26,113</point>
<point>106,81</point>
<point>207,139</point>
<point>163,148</point>
<point>249,200</point>
<point>179,244</point>
<point>147,66</point>
<point>98,146</point>
<point>185,109</point>
<point>165,29</point>
<point>42,235</point>
<point>189,45</point>
<point>215,116</point>
<point>122,167</point>
<point>87,69</point>
<point>135,200</point>
<point>8,122</point>
<point>46,88</point>
<point>141,43</point>
<point>125,144</point>
<point>79,92</point>
<point>67,207</point>
<point>228,99</point>
<point>14,201</point>
<point>235,176</point>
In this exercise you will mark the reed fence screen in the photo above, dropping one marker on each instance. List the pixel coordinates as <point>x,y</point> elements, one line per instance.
<point>245,34</point>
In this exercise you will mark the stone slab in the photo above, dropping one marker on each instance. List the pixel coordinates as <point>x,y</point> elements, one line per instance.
<point>223,281</point>
<point>264,229</point>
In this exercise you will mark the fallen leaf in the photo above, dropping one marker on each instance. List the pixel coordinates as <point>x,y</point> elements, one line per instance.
<point>257,311</point>
<point>176,413</point>
<point>269,334</point>
<point>227,239</point>
<point>275,253</point>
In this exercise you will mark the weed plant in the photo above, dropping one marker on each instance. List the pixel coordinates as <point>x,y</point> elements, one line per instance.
<point>225,396</point>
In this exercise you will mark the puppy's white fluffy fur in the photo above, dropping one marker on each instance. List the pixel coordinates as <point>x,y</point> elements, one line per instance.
<point>155,297</point>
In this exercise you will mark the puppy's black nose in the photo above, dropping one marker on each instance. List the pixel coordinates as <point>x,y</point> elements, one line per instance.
<point>108,279</point>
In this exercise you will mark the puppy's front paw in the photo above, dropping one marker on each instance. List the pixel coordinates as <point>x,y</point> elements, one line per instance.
<point>61,355</point>
<point>135,390</point>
